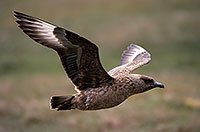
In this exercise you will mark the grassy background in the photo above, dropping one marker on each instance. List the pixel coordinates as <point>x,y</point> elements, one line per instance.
<point>30,74</point>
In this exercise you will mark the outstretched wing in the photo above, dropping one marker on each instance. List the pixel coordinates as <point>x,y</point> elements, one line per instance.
<point>132,58</point>
<point>80,57</point>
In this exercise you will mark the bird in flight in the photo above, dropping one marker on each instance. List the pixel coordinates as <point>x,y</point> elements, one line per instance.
<point>96,88</point>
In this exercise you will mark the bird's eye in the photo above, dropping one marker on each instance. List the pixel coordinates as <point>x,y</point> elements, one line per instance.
<point>147,80</point>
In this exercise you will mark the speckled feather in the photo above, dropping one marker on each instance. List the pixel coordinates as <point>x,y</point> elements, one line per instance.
<point>97,89</point>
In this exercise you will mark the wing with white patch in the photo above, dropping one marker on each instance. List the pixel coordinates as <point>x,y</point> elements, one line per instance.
<point>132,58</point>
<point>38,30</point>
<point>79,56</point>
<point>131,53</point>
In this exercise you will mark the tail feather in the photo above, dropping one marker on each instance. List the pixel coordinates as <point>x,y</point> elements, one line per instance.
<point>61,102</point>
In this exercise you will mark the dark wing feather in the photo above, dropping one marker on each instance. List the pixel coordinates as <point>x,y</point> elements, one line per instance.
<point>132,58</point>
<point>80,57</point>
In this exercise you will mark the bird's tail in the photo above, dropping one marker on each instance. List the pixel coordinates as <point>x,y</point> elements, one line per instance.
<point>61,102</point>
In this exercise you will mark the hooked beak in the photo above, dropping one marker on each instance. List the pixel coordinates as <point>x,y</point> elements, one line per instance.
<point>160,85</point>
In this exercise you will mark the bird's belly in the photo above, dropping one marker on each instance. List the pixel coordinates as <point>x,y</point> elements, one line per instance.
<point>101,98</point>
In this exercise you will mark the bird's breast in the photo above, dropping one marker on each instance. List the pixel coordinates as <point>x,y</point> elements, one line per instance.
<point>102,97</point>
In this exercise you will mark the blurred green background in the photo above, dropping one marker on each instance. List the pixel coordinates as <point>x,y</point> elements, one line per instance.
<point>31,74</point>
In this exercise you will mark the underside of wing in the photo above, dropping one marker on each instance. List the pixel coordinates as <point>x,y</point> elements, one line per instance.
<point>79,56</point>
<point>132,58</point>
<point>39,30</point>
<point>131,53</point>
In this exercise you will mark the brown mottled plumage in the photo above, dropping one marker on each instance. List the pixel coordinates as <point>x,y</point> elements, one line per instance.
<point>97,89</point>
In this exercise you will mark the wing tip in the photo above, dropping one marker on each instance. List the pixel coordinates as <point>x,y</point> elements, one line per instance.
<point>18,20</point>
<point>20,16</point>
<point>17,14</point>
<point>135,46</point>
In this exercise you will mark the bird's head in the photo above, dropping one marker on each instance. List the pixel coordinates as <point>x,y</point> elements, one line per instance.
<point>142,83</point>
